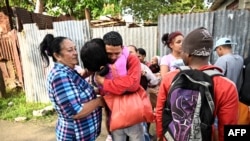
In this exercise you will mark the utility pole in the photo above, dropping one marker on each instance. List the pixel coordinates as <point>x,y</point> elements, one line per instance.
<point>9,13</point>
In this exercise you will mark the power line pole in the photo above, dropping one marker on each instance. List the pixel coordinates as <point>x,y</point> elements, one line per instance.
<point>9,10</point>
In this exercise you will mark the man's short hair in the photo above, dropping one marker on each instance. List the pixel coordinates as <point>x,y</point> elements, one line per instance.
<point>198,42</point>
<point>113,38</point>
<point>141,51</point>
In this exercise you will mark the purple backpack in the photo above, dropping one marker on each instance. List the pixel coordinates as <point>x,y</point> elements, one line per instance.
<point>188,111</point>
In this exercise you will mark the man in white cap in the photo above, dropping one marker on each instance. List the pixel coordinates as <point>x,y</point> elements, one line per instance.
<point>231,64</point>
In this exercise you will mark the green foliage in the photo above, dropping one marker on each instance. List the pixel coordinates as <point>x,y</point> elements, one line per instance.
<point>146,10</point>
<point>26,4</point>
<point>74,8</point>
<point>184,6</point>
<point>111,9</point>
<point>141,9</point>
<point>20,107</point>
<point>150,9</point>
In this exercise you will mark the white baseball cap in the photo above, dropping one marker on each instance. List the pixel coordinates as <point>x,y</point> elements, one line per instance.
<point>223,41</point>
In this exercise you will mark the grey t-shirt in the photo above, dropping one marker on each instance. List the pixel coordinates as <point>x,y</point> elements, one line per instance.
<point>232,65</point>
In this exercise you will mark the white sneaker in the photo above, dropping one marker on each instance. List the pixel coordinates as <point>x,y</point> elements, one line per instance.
<point>109,138</point>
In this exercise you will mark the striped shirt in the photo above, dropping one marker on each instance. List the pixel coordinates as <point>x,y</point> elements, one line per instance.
<point>68,92</point>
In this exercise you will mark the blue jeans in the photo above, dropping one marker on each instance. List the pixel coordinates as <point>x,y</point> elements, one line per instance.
<point>135,133</point>
<point>146,134</point>
<point>216,122</point>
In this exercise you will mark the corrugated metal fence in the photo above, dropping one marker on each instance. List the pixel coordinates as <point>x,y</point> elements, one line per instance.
<point>34,70</point>
<point>10,63</point>
<point>233,24</point>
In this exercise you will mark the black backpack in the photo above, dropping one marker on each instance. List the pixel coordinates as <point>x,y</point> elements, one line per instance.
<point>244,94</point>
<point>188,111</point>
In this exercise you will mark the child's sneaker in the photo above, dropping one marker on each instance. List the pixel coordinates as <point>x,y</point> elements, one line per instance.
<point>109,138</point>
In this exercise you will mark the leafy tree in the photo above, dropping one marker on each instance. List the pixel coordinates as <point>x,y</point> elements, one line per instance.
<point>74,8</point>
<point>111,9</point>
<point>148,10</point>
<point>143,9</point>
<point>26,4</point>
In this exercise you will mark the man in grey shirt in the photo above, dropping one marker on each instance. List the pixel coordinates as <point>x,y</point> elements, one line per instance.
<point>231,64</point>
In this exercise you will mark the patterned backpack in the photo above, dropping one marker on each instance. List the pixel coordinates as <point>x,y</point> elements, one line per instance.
<point>188,112</point>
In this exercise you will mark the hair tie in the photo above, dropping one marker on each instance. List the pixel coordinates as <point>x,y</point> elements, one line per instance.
<point>101,67</point>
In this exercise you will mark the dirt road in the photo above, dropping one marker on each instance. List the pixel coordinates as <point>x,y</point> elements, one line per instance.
<point>26,131</point>
<point>32,131</point>
<point>36,131</point>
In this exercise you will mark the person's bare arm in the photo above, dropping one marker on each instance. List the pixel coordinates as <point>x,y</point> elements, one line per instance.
<point>163,70</point>
<point>153,80</point>
<point>85,73</point>
<point>88,107</point>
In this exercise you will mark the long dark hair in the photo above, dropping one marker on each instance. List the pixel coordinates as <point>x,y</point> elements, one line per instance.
<point>50,45</point>
<point>168,38</point>
<point>94,57</point>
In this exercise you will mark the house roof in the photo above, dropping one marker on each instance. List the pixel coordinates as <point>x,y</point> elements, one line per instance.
<point>216,4</point>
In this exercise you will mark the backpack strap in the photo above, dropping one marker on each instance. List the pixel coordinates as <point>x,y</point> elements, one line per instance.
<point>212,73</point>
<point>184,68</point>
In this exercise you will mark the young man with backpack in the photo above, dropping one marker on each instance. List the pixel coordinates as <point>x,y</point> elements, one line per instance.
<point>190,98</point>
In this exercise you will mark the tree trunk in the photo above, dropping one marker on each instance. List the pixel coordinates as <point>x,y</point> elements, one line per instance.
<point>87,14</point>
<point>39,6</point>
